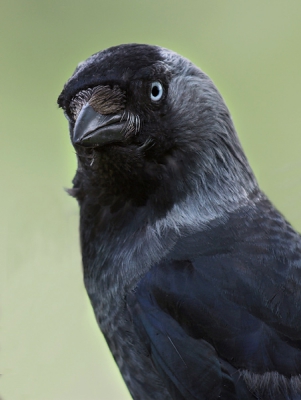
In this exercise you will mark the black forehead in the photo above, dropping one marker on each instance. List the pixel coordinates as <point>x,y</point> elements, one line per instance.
<point>113,65</point>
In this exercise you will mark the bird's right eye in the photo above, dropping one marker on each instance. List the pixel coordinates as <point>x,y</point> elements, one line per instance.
<point>156,91</point>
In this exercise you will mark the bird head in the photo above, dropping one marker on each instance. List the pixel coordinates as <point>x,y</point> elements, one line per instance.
<point>148,126</point>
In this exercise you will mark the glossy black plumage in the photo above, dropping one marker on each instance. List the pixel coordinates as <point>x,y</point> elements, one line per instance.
<point>212,285</point>
<point>194,277</point>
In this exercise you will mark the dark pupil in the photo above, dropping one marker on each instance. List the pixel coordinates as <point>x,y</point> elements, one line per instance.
<point>155,91</point>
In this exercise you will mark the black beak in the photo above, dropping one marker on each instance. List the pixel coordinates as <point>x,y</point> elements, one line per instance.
<point>93,129</point>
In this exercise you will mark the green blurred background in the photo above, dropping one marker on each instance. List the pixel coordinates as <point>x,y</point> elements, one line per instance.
<point>50,346</point>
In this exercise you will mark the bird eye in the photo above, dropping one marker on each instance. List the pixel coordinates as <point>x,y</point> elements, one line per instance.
<point>156,91</point>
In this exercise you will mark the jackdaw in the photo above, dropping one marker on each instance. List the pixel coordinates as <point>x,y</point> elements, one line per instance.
<point>193,275</point>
